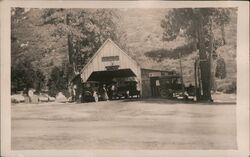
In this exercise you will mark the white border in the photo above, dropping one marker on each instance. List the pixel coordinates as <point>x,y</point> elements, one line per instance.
<point>242,78</point>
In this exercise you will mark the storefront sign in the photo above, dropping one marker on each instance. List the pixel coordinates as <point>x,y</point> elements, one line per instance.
<point>110,58</point>
<point>113,67</point>
<point>155,74</point>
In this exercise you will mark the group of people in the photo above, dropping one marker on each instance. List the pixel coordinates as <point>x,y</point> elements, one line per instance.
<point>106,93</point>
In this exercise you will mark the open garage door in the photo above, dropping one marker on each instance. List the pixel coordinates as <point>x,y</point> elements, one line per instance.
<point>107,76</point>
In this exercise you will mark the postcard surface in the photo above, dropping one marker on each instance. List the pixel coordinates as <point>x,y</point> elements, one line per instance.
<point>124,78</point>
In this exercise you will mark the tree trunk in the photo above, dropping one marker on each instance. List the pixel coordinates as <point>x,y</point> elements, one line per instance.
<point>204,63</point>
<point>69,39</point>
<point>70,48</point>
<point>223,34</point>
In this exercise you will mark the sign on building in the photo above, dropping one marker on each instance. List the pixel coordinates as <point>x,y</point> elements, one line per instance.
<point>110,58</point>
<point>155,74</point>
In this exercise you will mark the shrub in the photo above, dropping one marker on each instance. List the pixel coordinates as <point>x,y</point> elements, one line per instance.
<point>24,76</point>
<point>220,71</point>
<point>228,87</point>
<point>59,81</point>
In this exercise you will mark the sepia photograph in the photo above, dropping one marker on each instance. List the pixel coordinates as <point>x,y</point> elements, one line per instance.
<point>124,78</point>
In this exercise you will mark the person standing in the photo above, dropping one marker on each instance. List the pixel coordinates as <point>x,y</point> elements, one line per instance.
<point>112,91</point>
<point>104,93</point>
<point>95,95</point>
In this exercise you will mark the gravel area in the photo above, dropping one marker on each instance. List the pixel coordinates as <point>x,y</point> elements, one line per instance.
<point>122,124</point>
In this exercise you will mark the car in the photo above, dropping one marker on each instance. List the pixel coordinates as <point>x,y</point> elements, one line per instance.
<point>17,98</point>
<point>171,87</point>
<point>51,99</point>
<point>43,97</point>
<point>128,89</point>
<point>88,89</point>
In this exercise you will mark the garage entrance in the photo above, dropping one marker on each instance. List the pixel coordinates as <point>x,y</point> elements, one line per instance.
<point>108,76</point>
<point>123,81</point>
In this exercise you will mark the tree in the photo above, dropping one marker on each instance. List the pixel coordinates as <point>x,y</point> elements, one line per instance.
<point>40,80</point>
<point>160,54</point>
<point>196,25</point>
<point>220,71</point>
<point>58,81</point>
<point>86,30</point>
<point>24,77</point>
<point>34,41</point>
<point>221,18</point>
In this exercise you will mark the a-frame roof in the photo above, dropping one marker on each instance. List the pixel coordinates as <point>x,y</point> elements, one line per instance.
<point>99,50</point>
<point>109,49</point>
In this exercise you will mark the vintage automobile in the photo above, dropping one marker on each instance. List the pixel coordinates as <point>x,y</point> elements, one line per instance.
<point>128,90</point>
<point>88,89</point>
<point>44,97</point>
<point>172,87</point>
<point>17,98</point>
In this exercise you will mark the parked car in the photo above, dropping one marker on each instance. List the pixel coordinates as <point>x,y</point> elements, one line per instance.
<point>128,89</point>
<point>17,98</point>
<point>43,97</point>
<point>172,87</point>
<point>88,89</point>
<point>52,99</point>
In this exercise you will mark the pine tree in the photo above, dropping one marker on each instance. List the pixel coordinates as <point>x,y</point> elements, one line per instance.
<point>195,24</point>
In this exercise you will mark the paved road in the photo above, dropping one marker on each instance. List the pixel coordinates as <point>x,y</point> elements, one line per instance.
<point>148,124</point>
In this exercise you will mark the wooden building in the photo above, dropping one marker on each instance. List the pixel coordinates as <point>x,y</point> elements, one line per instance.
<point>111,62</point>
<point>151,81</point>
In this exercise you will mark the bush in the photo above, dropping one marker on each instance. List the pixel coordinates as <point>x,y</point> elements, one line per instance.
<point>24,76</point>
<point>228,88</point>
<point>220,71</point>
<point>58,81</point>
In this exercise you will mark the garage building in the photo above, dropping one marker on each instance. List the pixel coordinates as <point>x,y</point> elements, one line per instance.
<point>110,62</point>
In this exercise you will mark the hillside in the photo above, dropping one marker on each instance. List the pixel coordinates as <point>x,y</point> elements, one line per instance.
<point>142,31</point>
<point>145,34</point>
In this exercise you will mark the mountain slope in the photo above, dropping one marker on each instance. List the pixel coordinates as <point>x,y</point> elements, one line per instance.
<point>142,31</point>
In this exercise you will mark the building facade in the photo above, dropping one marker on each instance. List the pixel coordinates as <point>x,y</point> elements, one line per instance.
<point>111,62</point>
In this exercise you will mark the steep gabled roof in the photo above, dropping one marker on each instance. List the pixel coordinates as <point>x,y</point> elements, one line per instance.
<point>99,50</point>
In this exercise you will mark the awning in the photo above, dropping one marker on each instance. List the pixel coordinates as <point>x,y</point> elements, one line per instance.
<point>106,76</point>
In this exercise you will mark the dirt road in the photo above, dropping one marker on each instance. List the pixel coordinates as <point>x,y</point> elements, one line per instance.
<point>148,124</point>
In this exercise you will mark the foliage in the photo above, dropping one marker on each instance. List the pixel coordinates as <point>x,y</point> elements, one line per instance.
<point>220,71</point>
<point>24,77</point>
<point>228,88</point>
<point>59,80</point>
<point>161,54</point>
<point>196,24</point>
<point>40,80</point>
<point>86,30</point>
<point>32,40</point>
<point>185,21</point>
<point>47,47</point>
